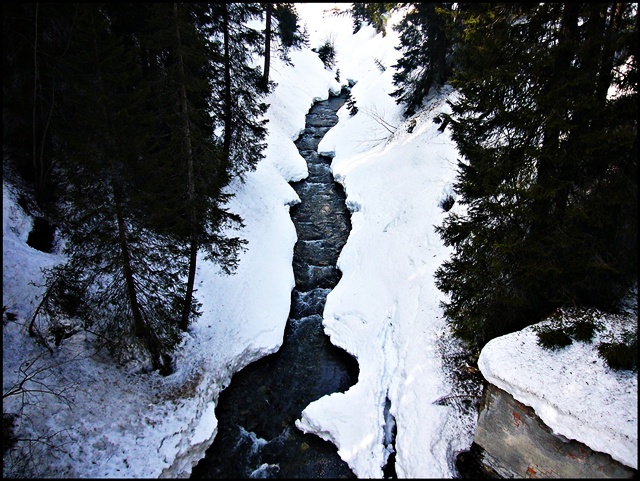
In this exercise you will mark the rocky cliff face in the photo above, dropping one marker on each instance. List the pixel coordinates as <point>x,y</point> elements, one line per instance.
<point>511,441</point>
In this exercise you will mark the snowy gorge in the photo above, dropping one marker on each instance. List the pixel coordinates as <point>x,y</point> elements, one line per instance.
<point>119,422</point>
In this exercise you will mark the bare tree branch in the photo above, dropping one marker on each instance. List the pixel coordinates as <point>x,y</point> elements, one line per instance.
<point>379,118</point>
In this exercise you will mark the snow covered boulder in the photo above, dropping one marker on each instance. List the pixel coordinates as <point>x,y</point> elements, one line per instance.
<point>558,412</point>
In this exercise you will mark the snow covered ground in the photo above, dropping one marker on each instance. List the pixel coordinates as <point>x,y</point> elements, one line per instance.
<point>112,421</point>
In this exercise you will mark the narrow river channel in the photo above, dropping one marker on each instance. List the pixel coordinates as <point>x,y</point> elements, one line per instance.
<point>257,437</point>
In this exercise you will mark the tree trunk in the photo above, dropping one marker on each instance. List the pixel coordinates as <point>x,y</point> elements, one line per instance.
<point>267,48</point>
<point>226,146</point>
<point>141,330</point>
<point>193,250</point>
<point>35,98</point>
<point>41,167</point>
<point>605,76</point>
<point>548,171</point>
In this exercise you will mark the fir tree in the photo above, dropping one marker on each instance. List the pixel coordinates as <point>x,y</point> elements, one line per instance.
<point>267,46</point>
<point>157,108</point>
<point>426,49</point>
<point>548,168</point>
<point>282,28</point>
<point>190,169</point>
<point>238,95</point>
<point>288,28</point>
<point>126,282</point>
<point>357,13</point>
<point>35,38</point>
<point>373,13</point>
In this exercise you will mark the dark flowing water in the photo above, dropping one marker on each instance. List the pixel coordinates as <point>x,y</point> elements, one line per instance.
<point>257,437</point>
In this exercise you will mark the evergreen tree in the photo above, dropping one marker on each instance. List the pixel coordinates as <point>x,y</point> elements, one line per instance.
<point>426,49</point>
<point>157,108</point>
<point>372,13</point>
<point>357,13</point>
<point>35,38</point>
<point>191,169</point>
<point>126,279</point>
<point>281,26</point>
<point>267,46</point>
<point>238,95</point>
<point>288,28</point>
<point>548,172</point>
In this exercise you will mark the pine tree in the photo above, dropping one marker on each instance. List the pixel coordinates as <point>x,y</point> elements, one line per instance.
<point>288,28</point>
<point>372,13</point>
<point>35,38</point>
<point>281,26</point>
<point>357,13</point>
<point>238,96</point>
<point>426,47</point>
<point>190,169</point>
<point>147,135</point>
<point>267,46</point>
<point>125,278</point>
<point>548,165</point>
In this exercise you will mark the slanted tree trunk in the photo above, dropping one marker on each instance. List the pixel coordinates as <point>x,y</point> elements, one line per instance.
<point>141,329</point>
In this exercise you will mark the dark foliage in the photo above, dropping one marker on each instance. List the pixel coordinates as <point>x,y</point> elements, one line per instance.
<point>42,235</point>
<point>426,46</point>
<point>351,105</point>
<point>11,316</point>
<point>288,28</point>
<point>327,53</point>
<point>583,331</point>
<point>447,203</point>
<point>35,40</point>
<point>8,433</point>
<point>553,338</point>
<point>373,13</point>
<point>567,325</point>
<point>620,355</point>
<point>548,168</point>
<point>238,94</point>
<point>282,29</point>
<point>124,157</point>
